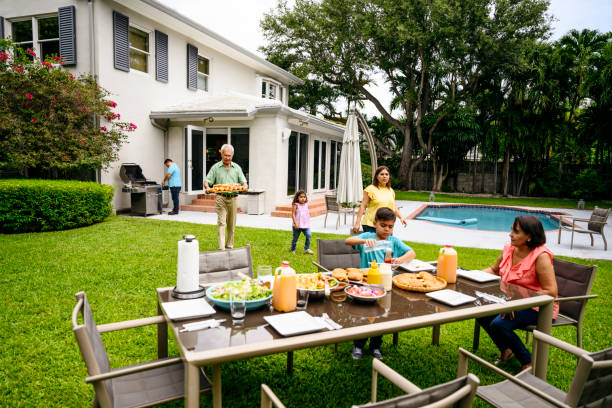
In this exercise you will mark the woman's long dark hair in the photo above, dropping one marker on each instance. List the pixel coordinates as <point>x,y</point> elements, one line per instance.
<point>377,172</point>
<point>533,227</point>
<point>297,195</point>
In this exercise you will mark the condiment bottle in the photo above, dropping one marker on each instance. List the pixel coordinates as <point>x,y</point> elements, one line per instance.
<point>284,291</point>
<point>386,276</point>
<point>374,276</point>
<point>447,264</point>
<point>388,255</point>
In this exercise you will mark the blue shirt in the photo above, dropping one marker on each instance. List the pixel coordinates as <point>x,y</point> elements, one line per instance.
<point>175,176</point>
<point>368,254</point>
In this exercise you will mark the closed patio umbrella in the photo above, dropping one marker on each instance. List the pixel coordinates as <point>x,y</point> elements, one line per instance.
<point>350,185</point>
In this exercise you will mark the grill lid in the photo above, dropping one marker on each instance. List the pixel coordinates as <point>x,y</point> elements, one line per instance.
<point>132,172</point>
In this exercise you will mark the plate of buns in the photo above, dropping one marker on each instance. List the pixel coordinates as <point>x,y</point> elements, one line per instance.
<point>352,275</point>
<point>228,188</point>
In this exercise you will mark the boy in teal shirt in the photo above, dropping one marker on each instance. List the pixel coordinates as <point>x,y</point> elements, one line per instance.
<point>372,247</point>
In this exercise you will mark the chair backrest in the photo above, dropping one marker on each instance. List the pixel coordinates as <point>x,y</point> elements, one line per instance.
<point>592,381</point>
<point>220,266</point>
<point>456,393</point>
<point>92,349</point>
<point>573,280</point>
<point>334,253</point>
<point>598,217</point>
<point>331,203</point>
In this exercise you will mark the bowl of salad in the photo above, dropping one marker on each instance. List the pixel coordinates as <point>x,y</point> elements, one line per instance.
<point>257,294</point>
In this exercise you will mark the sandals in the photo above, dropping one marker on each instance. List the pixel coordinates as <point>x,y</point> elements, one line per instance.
<point>504,357</point>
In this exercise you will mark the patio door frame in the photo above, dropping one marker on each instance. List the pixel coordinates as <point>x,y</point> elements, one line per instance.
<point>189,165</point>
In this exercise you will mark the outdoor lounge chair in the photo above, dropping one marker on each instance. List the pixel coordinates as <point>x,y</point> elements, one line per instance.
<point>225,265</point>
<point>139,385</point>
<point>595,225</point>
<point>590,386</point>
<point>456,393</point>
<point>332,206</point>
<point>574,283</point>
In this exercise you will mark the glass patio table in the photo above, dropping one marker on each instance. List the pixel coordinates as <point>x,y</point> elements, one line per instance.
<point>399,310</point>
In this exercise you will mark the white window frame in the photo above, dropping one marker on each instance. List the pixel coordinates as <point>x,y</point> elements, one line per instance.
<point>207,75</point>
<point>146,53</point>
<point>280,89</point>
<point>326,169</point>
<point>35,40</point>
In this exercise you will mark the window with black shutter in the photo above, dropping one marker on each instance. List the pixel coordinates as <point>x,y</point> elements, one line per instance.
<point>161,56</point>
<point>67,39</point>
<point>1,27</point>
<point>192,67</point>
<point>121,41</point>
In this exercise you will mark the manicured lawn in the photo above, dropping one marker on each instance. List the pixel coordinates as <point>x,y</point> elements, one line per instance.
<point>520,201</point>
<point>120,262</point>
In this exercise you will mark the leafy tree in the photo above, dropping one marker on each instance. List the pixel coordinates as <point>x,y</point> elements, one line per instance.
<point>51,120</point>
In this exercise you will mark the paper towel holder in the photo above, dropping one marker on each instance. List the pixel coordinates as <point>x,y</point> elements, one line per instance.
<point>200,292</point>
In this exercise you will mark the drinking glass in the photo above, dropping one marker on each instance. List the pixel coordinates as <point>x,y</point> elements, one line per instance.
<point>302,299</point>
<point>237,307</point>
<point>264,273</point>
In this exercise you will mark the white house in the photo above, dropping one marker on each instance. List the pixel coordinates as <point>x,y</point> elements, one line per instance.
<point>189,90</point>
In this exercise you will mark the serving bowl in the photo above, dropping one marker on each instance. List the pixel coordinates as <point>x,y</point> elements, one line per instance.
<point>318,293</point>
<point>225,304</point>
<point>361,298</point>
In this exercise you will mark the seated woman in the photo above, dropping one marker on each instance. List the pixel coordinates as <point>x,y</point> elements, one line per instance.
<point>526,262</point>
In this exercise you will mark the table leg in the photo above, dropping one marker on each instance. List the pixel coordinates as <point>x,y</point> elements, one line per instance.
<point>216,385</point>
<point>544,325</point>
<point>435,335</point>
<point>162,336</point>
<point>290,363</point>
<point>192,386</point>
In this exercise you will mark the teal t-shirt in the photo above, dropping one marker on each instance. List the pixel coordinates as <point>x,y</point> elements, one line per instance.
<point>175,176</point>
<point>368,254</point>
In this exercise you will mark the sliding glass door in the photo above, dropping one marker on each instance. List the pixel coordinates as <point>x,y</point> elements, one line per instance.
<point>298,162</point>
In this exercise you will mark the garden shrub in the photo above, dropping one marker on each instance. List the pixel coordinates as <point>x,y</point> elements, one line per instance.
<point>588,185</point>
<point>49,205</point>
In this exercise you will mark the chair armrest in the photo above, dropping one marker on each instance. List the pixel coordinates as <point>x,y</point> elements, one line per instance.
<point>320,266</point>
<point>573,298</point>
<point>545,338</point>
<point>268,398</point>
<point>131,370</point>
<point>390,374</point>
<point>462,366</point>
<point>130,324</point>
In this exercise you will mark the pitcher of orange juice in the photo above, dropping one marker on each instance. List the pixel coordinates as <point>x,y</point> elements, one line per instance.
<point>447,264</point>
<point>284,291</point>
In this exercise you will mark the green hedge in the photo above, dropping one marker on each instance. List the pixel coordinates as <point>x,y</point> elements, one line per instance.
<point>28,205</point>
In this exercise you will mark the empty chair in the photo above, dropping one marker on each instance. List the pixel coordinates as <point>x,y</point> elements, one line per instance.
<point>456,393</point>
<point>225,265</point>
<point>332,206</point>
<point>139,385</point>
<point>595,225</point>
<point>574,283</point>
<point>590,386</point>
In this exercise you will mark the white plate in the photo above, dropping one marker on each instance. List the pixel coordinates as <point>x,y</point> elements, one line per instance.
<point>417,266</point>
<point>188,309</point>
<point>290,324</point>
<point>450,297</point>
<point>478,276</point>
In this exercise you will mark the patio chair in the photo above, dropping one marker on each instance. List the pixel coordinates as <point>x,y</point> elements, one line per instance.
<point>574,283</point>
<point>226,265</point>
<point>334,253</point>
<point>595,225</point>
<point>590,386</point>
<point>139,385</point>
<point>332,206</point>
<point>456,393</point>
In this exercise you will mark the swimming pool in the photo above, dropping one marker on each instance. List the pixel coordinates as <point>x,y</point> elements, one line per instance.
<point>482,217</point>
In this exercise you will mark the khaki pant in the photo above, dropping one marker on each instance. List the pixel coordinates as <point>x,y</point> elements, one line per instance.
<point>226,208</point>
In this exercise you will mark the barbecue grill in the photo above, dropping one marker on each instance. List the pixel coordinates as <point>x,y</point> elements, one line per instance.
<point>145,195</point>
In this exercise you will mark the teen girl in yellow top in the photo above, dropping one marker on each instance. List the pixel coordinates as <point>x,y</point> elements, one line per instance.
<point>376,195</point>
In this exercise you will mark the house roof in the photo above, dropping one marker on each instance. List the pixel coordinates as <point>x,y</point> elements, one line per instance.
<point>212,39</point>
<point>235,105</point>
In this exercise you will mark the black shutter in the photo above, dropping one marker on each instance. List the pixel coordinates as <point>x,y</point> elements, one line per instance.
<point>67,39</point>
<point>1,27</point>
<point>192,67</point>
<point>161,56</point>
<point>121,38</point>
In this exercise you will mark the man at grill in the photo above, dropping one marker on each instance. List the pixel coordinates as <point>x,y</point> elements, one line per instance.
<point>173,178</point>
<point>225,172</point>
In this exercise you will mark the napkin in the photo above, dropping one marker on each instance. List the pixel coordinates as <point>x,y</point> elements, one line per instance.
<point>206,324</point>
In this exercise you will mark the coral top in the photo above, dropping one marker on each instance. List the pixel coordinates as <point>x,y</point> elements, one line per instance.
<point>524,272</point>
<point>302,215</point>
<point>379,197</point>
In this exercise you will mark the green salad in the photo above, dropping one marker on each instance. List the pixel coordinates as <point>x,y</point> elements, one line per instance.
<point>247,287</point>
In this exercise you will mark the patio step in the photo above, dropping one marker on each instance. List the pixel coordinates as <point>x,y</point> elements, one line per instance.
<point>316,207</point>
<point>204,203</point>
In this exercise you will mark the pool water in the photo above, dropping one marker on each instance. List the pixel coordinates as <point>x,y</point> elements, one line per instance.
<point>486,218</point>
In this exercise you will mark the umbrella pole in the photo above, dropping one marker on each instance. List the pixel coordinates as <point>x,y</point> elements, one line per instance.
<point>370,139</point>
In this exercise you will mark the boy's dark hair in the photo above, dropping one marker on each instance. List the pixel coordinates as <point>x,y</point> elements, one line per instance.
<point>377,172</point>
<point>533,227</point>
<point>384,214</point>
<point>167,160</point>
<point>297,195</point>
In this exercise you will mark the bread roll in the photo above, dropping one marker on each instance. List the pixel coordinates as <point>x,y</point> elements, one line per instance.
<point>355,274</point>
<point>339,273</point>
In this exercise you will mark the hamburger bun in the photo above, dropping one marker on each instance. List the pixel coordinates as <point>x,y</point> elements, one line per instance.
<point>339,273</point>
<point>355,274</point>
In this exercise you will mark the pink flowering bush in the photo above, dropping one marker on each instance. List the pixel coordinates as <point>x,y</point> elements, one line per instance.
<point>51,120</point>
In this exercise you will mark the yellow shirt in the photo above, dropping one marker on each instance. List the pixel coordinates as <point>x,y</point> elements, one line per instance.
<point>379,197</point>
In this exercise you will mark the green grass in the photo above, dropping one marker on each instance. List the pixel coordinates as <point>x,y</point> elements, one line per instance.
<point>120,262</point>
<point>520,201</point>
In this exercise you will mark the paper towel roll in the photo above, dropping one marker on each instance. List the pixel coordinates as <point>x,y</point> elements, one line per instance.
<point>187,278</point>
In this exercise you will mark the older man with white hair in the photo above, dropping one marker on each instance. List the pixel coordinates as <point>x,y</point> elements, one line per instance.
<point>225,172</point>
